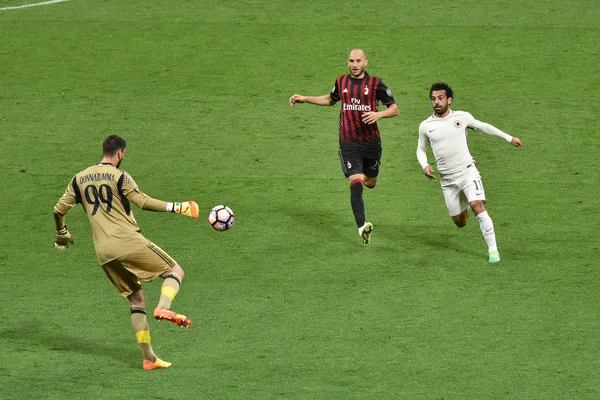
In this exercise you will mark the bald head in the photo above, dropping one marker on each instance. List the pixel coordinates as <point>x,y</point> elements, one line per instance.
<point>357,53</point>
<point>357,62</point>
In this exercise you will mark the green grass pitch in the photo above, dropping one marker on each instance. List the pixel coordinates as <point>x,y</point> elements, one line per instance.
<point>288,304</point>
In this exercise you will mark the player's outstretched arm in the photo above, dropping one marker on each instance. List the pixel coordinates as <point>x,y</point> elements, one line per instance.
<point>492,130</point>
<point>324,100</point>
<point>142,200</point>
<point>130,190</point>
<point>188,208</point>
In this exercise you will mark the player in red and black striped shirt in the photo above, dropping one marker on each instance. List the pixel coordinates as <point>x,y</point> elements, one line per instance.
<point>360,142</point>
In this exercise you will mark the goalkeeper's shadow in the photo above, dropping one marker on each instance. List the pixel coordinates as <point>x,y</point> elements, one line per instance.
<point>36,334</point>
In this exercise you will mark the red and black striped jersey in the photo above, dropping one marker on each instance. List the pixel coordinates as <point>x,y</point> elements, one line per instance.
<point>359,96</point>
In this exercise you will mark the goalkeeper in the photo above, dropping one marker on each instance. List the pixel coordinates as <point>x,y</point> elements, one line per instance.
<point>105,192</point>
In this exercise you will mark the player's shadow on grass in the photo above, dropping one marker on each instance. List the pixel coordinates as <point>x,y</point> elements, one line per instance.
<point>442,239</point>
<point>321,224</point>
<point>35,334</point>
<point>389,234</point>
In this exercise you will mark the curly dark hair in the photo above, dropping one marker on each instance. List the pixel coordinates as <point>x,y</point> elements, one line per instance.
<point>441,86</point>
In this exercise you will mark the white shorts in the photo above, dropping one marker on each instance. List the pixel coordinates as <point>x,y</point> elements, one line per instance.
<point>460,189</point>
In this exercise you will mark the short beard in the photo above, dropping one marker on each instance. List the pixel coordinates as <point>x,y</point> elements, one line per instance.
<point>442,112</point>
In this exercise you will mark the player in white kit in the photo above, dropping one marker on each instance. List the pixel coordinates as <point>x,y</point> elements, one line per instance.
<point>446,132</point>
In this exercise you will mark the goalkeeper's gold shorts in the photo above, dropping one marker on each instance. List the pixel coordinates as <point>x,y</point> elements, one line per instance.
<point>145,264</point>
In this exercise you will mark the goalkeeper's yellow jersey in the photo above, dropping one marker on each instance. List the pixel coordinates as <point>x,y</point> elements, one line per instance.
<point>104,192</point>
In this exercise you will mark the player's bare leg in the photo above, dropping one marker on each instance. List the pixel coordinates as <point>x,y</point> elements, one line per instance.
<point>139,322</point>
<point>168,291</point>
<point>461,219</point>
<point>357,183</point>
<point>370,182</point>
<point>487,229</point>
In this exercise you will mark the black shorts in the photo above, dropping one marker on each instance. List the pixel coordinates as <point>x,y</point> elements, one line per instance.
<point>357,160</point>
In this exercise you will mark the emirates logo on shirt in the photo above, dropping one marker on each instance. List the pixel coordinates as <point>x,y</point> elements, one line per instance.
<point>356,106</point>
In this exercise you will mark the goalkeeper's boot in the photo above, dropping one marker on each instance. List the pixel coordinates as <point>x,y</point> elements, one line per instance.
<point>149,365</point>
<point>365,232</point>
<point>494,257</point>
<point>163,314</point>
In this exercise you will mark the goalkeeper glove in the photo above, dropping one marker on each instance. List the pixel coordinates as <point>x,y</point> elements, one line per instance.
<point>63,239</point>
<point>189,208</point>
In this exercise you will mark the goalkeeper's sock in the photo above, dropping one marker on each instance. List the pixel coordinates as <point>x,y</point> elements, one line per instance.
<point>169,290</point>
<point>142,333</point>
<point>487,229</point>
<point>358,205</point>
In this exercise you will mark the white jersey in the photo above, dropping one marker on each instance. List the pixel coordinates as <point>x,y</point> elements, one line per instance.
<point>448,139</point>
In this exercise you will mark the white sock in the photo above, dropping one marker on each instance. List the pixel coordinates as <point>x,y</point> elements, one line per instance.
<point>487,229</point>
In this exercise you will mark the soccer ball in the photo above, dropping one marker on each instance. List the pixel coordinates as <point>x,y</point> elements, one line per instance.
<point>221,218</point>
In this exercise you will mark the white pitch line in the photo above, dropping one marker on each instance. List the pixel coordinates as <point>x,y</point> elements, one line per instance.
<point>43,3</point>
